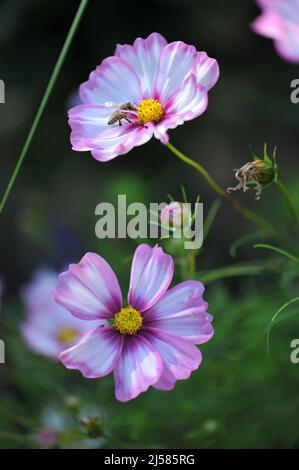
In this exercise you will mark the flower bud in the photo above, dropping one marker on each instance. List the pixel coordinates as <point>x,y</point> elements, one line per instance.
<point>174,214</point>
<point>260,173</point>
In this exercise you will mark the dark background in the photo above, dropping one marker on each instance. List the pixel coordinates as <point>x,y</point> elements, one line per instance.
<point>49,218</point>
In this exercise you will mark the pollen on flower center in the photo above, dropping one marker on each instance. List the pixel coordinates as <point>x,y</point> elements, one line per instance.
<point>149,111</point>
<point>66,335</point>
<point>128,321</point>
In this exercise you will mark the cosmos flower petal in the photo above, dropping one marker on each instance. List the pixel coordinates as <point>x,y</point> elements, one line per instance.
<point>139,367</point>
<point>206,70</point>
<point>183,312</point>
<point>269,25</point>
<point>87,123</point>
<point>113,81</point>
<point>96,354</point>
<point>40,340</point>
<point>48,328</point>
<point>180,357</point>
<point>288,46</point>
<point>170,121</point>
<point>175,65</point>
<point>144,57</point>
<point>89,289</point>
<point>151,274</point>
<point>42,328</point>
<point>280,21</point>
<point>189,101</point>
<point>35,294</point>
<point>119,141</point>
<point>174,75</point>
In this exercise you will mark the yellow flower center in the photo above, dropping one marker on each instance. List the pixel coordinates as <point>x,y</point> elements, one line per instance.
<point>149,111</point>
<point>66,335</point>
<point>128,321</point>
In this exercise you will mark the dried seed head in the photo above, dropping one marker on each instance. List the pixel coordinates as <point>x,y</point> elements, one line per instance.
<point>258,173</point>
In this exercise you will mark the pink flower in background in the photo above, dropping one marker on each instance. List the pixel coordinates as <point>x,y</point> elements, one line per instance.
<point>150,342</point>
<point>140,92</point>
<point>174,214</point>
<point>48,329</point>
<point>280,21</point>
<point>47,437</point>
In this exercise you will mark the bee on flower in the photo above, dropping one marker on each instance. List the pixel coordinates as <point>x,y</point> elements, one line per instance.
<point>140,92</point>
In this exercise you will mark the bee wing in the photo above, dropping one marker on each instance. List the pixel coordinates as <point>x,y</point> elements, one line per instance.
<point>111,104</point>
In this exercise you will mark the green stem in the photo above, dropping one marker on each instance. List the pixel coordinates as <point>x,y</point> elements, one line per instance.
<point>289,202</point>
<point>295,299</point>
<point>239,269</point>
<point>246,213</point>
<point>192,263</point>
<point>44,100</point>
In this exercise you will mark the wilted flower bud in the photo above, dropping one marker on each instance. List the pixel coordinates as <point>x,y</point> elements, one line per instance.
<point>174,214</point>
<point>258,173</point>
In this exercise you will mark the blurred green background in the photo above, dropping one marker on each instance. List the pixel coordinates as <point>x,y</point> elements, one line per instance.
<point>240,397</point>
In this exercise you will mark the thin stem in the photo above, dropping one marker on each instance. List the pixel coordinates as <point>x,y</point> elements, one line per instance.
<point>44,100</point>
<point>240,269</point>
<point>192,263</point>
<point>289,202</point>
<point>246,213</point>
<point>295,299</point>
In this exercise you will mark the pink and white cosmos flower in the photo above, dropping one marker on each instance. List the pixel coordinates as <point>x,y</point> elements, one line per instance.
<point>163,84</point>
<point>280,21</point>
<point>150,342</point>
<point>48,329</point>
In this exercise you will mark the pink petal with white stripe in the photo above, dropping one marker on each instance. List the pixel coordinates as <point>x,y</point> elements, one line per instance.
<point>151,274</point>
<point>189,101</point>
<point>206,70</point>
<point>96,354</point>
<point>89,289</point>
<point>144,57</point>
<point>176,63</point>
<point>112,81</point>
<point>180,357</point>
<point>183,312</point>
<point>119,141</point>
<point>139,367</point>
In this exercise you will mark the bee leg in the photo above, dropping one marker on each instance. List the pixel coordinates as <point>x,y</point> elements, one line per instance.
<point>128,120</point>
<point>119,123</point>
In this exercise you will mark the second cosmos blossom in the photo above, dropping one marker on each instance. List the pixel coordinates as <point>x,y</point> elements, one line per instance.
<point>140,92</point>
<point>151,341</point>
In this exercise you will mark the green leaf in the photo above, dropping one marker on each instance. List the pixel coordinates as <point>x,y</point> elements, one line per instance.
<point>280,251</point>
<point>283,307</point>
<point>211,217</point>
<point>244,239</point>
<point>239,269</point>
<point>184,194</point>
